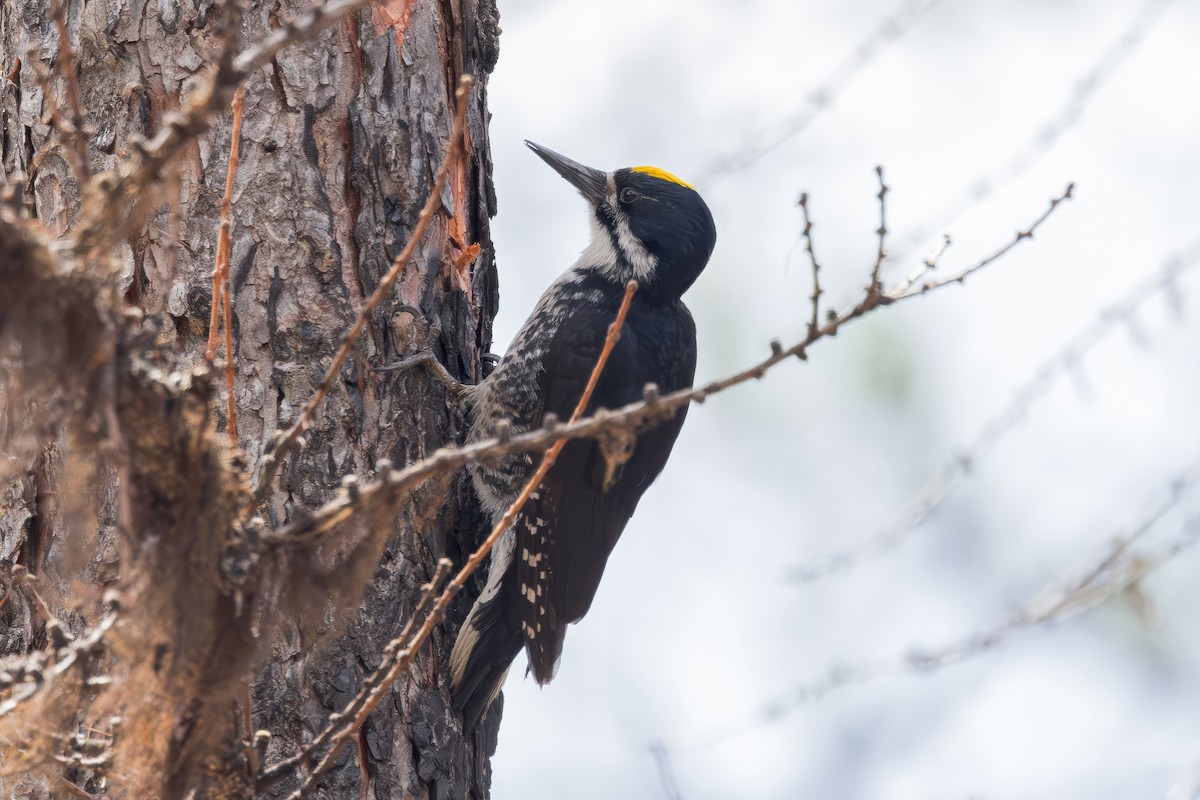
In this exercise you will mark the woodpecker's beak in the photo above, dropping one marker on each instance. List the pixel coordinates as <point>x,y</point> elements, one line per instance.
<point>591,183</point>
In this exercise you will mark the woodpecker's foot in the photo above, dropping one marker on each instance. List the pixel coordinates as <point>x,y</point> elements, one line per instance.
<point>488,363</point>
<point>430,362</point>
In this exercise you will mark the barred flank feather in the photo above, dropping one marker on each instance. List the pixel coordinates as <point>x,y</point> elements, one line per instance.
<point>535,583</point>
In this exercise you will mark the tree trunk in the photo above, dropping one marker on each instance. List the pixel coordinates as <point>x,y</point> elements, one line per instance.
<point>340,140</point>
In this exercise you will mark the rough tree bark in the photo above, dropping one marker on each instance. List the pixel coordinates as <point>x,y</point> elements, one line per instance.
<point>113,476</point>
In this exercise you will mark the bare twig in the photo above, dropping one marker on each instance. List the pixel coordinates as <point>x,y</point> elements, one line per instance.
<point>1111,571</point>
<point>888,30</point>
<point>222,289</point>
<point>303,26</point>
<point>610,341</point>
<point>454,150</point>
<point>928,266</point>
<point>32,671</point>
<point>224,231</point>
<point>1051,131</point>
<point>876,286</point>
<point>342,727</point>
<point>1017,239</point>
<point>404,648</point>
<point>666,774</point>
<point>650,410</point>
<point>230,365</point>
<point>66,61</point>
<point>951,474</point>
<point>815,298</point>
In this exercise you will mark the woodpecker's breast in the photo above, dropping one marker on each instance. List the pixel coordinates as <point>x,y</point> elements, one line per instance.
<point>512,391</point>
<point>551,358</point>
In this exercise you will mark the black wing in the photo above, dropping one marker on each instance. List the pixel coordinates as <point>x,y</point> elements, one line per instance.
<point>570,525</point>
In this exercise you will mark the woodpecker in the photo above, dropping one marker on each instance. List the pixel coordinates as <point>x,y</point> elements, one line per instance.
<point>646,225</point>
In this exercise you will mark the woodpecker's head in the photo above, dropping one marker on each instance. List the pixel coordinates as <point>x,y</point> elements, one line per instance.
<point>647,225</point>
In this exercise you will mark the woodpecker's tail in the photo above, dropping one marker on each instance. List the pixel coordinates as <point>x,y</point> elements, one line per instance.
<point>487,643</point>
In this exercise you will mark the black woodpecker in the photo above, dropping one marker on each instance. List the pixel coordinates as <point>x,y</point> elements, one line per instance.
<point>647,225</point>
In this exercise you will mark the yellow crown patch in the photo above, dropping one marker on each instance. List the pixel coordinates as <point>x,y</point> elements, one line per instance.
<point>655,172</point>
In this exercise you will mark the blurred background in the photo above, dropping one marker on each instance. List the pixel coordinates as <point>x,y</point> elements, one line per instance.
<point>1067,373</point>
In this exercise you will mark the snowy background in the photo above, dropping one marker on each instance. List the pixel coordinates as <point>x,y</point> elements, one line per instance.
<point>700,639</point>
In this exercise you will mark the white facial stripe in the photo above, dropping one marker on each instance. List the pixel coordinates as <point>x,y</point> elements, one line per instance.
<point>601,253</point>
<point>642,262</point>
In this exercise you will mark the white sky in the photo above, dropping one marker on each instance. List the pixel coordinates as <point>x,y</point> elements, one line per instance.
<point>696,628</point>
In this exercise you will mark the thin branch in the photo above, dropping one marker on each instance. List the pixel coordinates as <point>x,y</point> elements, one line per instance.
<point>1051,130</point>
<point>230,365</point>
<point>815,298</point>
<point>290,440</point>
<point>652,409</point>
<point>337,734</point>
<point>1116,568</point>
<point>928,266</point>
<point>887,31</point>
<point>298,29</point>
<point>66,61</point>
<point>610,341</point>
<point>224,231</point>
<point>666,774</point>
<point>222,289</point>
<point>951,475</point>
<point>876,286</point>
<point>403,649</point>
<point>30,672</point>
<point>1017,239</point>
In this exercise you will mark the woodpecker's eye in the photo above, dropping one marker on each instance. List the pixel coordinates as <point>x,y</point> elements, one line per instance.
<point>629,195</point>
